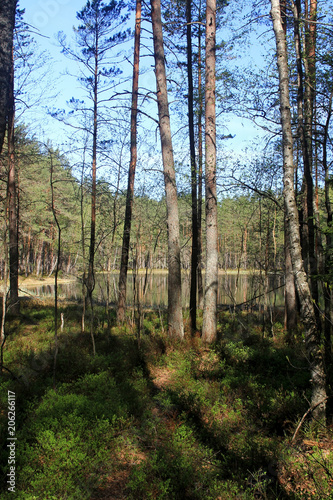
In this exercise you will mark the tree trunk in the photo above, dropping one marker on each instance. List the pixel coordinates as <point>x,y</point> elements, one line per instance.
<point>83,243</point>
<point>200,158</point>
<point>12,204</point>
<point>4,294</point>
<point>7,23</point>
<point>305,104</point>
<point>194,258</point>
<point>91,275</point>
<point>328,295</point>
<point>131,172</point>
<point>54,212</point>
<point>91,266</point>
<point>175,314</point>
<point>310,71</point>
<point>312,338</point>
<point>302,138</point>
<point>211,277</point>
<point>290,300</point>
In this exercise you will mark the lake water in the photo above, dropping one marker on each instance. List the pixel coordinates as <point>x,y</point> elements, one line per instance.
<point>153,289</point>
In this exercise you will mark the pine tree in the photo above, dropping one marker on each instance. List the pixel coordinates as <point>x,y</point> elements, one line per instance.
<point>96,36</point>
<point>175,315</point>
<point>211,277</point>
<point>131,172</point>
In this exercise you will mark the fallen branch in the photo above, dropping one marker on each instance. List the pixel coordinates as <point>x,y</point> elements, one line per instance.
<point>305,415</point>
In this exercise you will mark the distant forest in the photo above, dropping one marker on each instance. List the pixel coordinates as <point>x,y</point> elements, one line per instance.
<point>250,227</point>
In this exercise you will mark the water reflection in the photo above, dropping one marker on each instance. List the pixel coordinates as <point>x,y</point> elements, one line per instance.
<point>152,290</point>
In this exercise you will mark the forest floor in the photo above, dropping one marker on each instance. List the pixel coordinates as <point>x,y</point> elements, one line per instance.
<point>153,418</point>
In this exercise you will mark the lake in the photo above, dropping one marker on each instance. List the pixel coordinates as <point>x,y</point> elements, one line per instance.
<point>153,289</point>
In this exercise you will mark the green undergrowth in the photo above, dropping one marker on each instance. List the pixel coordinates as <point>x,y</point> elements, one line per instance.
<point>158,419</point>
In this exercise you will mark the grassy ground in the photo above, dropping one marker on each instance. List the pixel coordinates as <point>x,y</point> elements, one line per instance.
<point>158,419</point>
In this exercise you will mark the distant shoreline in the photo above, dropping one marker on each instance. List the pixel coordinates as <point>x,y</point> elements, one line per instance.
<point>33,281</point>
<point>49,280</point>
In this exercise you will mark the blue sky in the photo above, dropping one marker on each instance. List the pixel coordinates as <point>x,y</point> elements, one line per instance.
<point>49,17</point>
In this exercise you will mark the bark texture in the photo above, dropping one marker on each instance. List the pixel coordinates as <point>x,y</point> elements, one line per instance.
<point>328,292</point>
<point>200,161</point>
<point>12,203</point>
<point>211,276</point>
<point>194,257</point>
<point>312,340</point>
<point>305,106</point>
<point>175,314</point>
<point>91,271</point>
<point>7,23</point>
<point>131,172</point>
<point>290,299</point>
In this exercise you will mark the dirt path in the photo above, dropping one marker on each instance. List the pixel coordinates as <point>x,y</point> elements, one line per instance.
<point>114,488</point>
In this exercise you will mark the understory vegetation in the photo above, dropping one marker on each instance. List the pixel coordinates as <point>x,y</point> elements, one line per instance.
<point>152,418</point>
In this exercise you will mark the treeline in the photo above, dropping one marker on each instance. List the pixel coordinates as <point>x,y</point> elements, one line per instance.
<point>250,228</point>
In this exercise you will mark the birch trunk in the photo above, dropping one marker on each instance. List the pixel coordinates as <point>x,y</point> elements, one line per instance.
<point>312,338</point>
<point>211,276</point>
<point>175,314</point>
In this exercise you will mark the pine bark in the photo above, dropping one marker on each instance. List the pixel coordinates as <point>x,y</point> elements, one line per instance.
<point>91,265</point>
<point>290,299</point>
<point>12,203</point>
<point>54,212</point>
<point>7,23</point>
<point>312,337</point>
<point>211,277</point>
<point>305,105</point>
<point>328,292</point>
<point>131,172</point>
<point>200,162</point>
<point>91,273</point>
<point>190,102</point>
<point>175,314</point>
